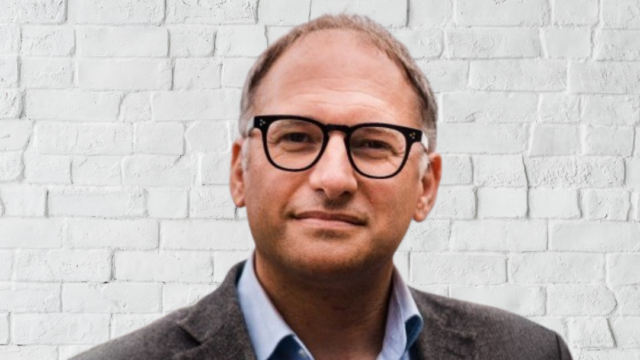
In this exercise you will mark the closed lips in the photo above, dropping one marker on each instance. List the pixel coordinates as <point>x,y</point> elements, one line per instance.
<point>351,219</point>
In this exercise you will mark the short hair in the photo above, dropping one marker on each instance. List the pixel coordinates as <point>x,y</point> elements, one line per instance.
<point>373,33</point>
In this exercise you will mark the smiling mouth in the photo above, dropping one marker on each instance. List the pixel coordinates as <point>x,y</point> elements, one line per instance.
<point>329,219</point>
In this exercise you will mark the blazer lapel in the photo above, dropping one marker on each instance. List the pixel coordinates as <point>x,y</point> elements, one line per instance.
<point>439,340</point>
<point>217,324</point>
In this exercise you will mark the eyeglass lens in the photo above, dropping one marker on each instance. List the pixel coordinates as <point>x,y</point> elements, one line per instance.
<point>374,150</point>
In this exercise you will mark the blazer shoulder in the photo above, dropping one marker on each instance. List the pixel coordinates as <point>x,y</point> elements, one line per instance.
<point>161,339</point>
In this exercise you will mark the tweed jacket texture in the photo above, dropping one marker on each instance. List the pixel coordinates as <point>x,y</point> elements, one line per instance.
<point>214,329</point>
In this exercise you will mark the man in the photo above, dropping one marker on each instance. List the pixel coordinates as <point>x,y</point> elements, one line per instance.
<point>336,157</point>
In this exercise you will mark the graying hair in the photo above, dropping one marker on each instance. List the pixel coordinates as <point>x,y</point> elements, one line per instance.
<point>372,32</point>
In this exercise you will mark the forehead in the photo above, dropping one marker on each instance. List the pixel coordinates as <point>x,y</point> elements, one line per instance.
<point>335,75</point>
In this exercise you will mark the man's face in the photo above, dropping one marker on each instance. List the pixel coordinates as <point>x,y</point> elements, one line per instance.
<point>330,220</point>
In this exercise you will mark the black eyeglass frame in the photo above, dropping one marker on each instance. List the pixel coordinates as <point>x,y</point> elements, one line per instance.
<point>411,136</point>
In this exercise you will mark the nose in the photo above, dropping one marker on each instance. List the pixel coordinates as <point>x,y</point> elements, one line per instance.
<point>333,173</point>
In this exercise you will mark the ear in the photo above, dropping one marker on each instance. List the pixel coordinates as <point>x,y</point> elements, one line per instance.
<point>430,181</point>
<point>236,181</point>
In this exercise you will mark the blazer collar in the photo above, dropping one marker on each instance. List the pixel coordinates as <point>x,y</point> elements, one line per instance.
<point>441,338</point>
<point>217,324</point>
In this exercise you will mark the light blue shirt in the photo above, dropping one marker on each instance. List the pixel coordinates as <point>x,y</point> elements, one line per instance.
<point>273,339</point>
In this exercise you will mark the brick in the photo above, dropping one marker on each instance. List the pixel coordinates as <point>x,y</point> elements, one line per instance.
<point>205,235</point>
<point>28,352</point>
<point>9,39</point>
<point>4,329</point>
<point>430,12</point>
<point>566,171</point>
<point>385,12</point>
<point>489,107</point>
<point>617,45</point>
<point>20,200</point>
<point>11,166</point>
<point>235,71</point>
<point>196,105</point>
<point>84,139</point>
<point>26,297</point>
<point>515,75</point>
<point>499,235</point>
<point>558,267</point>
<point>10,104</point>
<point>626,331</point>
<point>60,328</point>
<point>575,12</point>
<point>6,264</point>
<point>159,170</point>
<point>14,135</point>
<point>622,354</point>
<point>606,205</point>
<point>635,203</point>
<point>47,169</point>
<point>276,32</point>
<point>554,324</point>
<point>604,77</point>
<point>47,41</point>
<point>589,332</point>
<point>454,203</point>
<point>8,71</point>
<point>569,43</point>
<point>122,324</point>
<point>620,14</point>
<point>34,11</point>
<point>121,234</point>
<point>215,169</point>
<point>632,167</point>
<point>499,171</point>
<point>208,137</point>
<point>134,74</point>
<point>615,141</point>
<point>63,265</point>
<point>446,75</point>
<point>428,235</point>
<point>122,42</point>
<point>493,43</point>
<point>192,41</point>
<point>456,170</point>
<point>167,203</point>
<point>550,140</point>
<point>623,269</point>
<point>283,12</point>
<point>240,40</point>
<point>224,261</point>
<point>457,269</point>
<point>135,107</point>
<point>421,42</point>
<point>180,266</point>
<point>482,138</point>
<point>214,202</point>
<point>165,138</point>
<point>176,296</point>
<point>553,203</point>
<point>189,12</point>
<point>102,202</point>
<point>492,13</point>
<point>197,74</point>
<point>46,73</point>
<point>560,108</point>
<point>580,300</point>
<point>502,202</point>
<point>111,298</point>
<point>611,110</point>
<point>72,105</point>
<point>525,301</point>
<point>118,11</point>
<point>96,170</point>
<point>31,233</point>
<point>628,300</point>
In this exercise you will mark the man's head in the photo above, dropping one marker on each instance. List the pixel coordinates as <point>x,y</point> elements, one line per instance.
<point>330,219</point>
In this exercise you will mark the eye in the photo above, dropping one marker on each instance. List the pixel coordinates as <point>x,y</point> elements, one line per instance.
<point>296,137</point>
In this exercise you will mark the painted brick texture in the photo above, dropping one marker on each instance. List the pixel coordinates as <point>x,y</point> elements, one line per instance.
<point>116,124</point>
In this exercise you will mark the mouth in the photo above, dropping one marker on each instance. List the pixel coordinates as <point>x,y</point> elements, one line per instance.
<point>329,219</point>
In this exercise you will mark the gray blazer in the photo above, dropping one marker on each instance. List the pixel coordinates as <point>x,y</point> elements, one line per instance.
<point>214,329</point>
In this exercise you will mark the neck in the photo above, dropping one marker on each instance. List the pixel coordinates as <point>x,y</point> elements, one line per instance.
<point>343,319</point>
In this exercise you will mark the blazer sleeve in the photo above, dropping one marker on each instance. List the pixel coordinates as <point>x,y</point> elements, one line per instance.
<point>563,349</point>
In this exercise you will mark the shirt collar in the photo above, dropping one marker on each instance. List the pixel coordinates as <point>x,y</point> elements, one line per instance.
<point>267,328</point>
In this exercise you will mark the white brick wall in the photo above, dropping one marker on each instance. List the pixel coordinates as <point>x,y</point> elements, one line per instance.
<point>117,117</point>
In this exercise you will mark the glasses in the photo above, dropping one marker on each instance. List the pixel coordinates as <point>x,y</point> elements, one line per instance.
<point>375,150</point>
